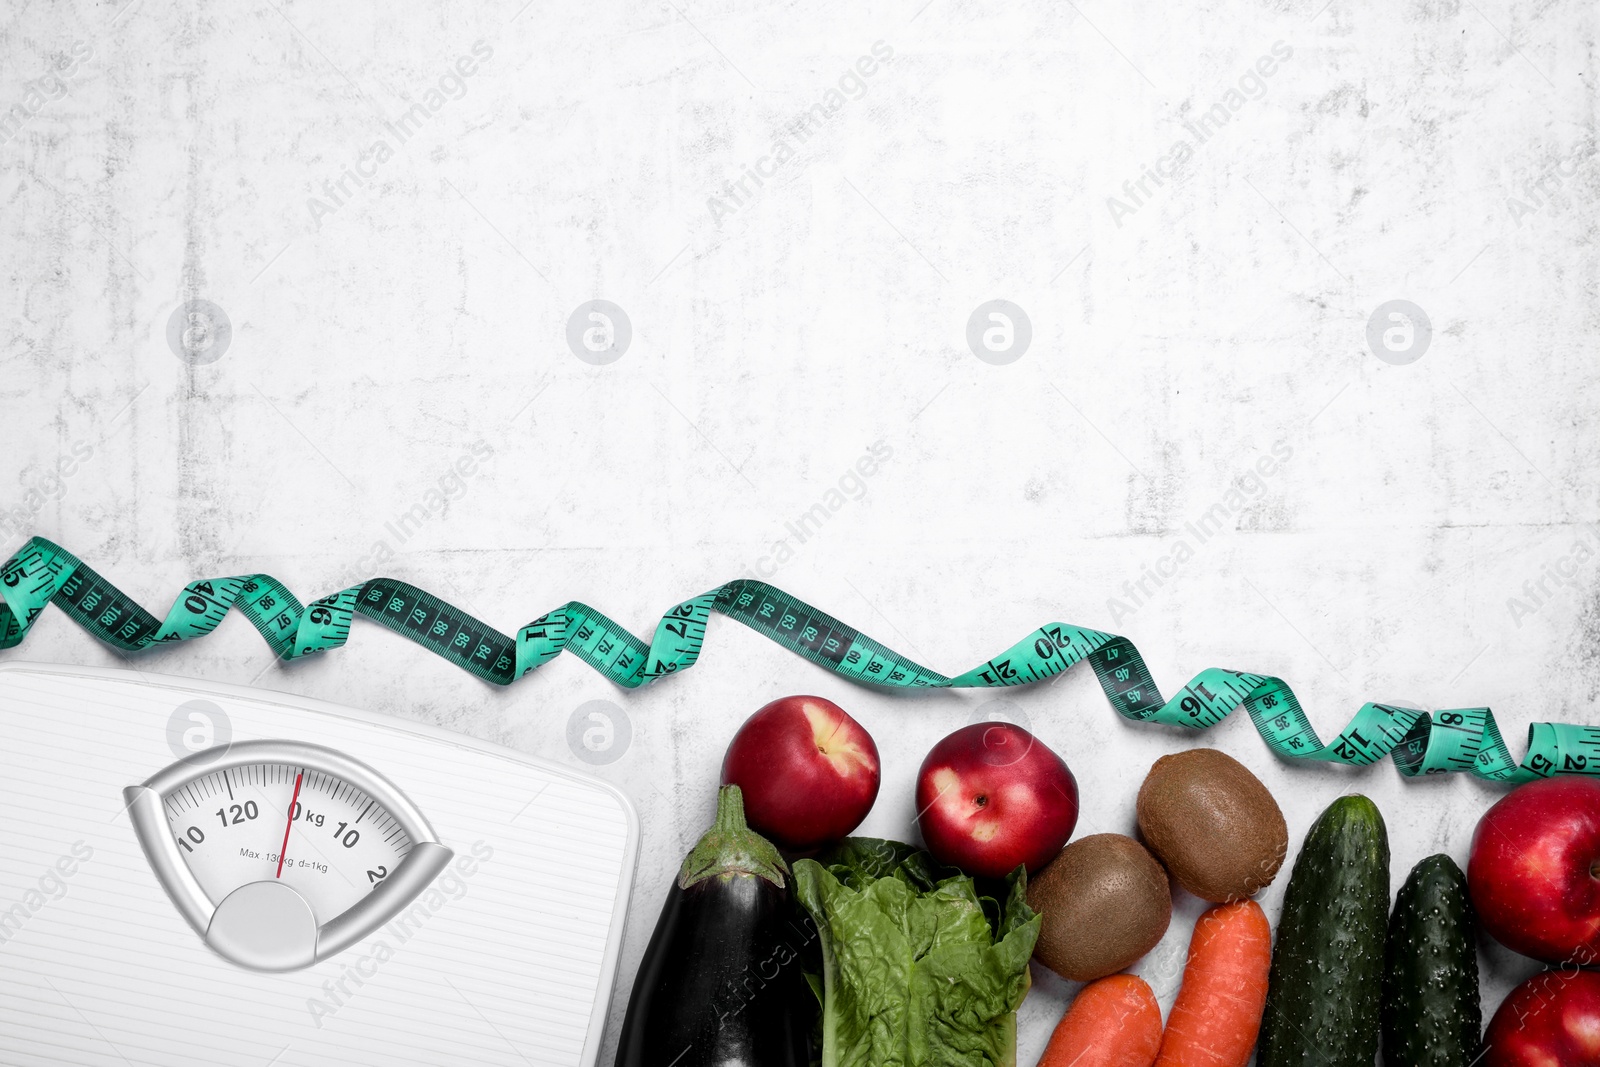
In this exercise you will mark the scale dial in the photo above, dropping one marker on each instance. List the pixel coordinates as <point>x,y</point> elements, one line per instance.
<point>231,826</point>
<point>281,853</point>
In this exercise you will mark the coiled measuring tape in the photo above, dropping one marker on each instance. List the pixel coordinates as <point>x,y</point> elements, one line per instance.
<point>1465,739</point>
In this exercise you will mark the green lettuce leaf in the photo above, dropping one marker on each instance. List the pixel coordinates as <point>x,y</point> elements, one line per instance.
<point>917,969</point>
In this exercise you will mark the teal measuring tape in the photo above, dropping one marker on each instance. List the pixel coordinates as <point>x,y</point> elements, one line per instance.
<point>1465,739</point>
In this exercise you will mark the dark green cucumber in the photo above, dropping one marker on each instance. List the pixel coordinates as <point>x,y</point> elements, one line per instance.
<point>1327,962</point>
<point>1431,1014</point>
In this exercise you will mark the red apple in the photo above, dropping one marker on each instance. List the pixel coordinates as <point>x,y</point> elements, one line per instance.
<point>1551,1020</point>
<point>991,796</point>
<point>1533,869</point>
<point>808,771</point>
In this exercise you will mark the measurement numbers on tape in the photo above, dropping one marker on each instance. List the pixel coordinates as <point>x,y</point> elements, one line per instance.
<point>1465,739</point>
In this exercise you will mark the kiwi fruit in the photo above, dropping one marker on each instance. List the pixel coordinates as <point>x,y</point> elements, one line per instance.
<point>1213,824</point>
<point>1104,902</point>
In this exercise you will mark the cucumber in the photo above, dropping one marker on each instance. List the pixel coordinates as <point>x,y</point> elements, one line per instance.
<point>1327,962</point>
<point>1431,1014</point>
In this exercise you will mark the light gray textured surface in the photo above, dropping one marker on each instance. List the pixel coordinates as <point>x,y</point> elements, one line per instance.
<point>1438,153</point>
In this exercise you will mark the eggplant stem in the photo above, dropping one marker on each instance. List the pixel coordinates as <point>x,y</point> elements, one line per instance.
<point>730,848</point>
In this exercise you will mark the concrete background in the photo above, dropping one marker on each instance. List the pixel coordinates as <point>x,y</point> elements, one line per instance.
<point>536,158</point>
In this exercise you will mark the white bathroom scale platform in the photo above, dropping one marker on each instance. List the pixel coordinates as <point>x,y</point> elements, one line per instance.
<point>482,892</point>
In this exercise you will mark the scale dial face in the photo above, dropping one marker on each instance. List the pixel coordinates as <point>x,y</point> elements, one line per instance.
<point>231,825</point>
<point>281,853</point>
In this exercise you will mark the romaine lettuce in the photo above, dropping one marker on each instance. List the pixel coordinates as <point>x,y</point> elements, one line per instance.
<point>917,969</point>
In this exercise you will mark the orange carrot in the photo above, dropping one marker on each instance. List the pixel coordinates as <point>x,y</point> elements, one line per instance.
<point>1115,1022</point>
<point>1217,1015</point>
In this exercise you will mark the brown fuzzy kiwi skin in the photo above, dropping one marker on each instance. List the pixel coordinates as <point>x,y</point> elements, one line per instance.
<point>1105,902</point>
<point>1213,823</point>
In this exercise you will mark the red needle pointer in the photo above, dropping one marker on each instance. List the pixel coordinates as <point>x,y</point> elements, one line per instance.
<point>290,825</point>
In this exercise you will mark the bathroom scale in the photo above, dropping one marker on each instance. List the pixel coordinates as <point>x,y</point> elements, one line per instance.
<point>195,873</point>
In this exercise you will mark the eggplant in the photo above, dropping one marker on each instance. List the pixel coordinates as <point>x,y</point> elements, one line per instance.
<point>720,984</point>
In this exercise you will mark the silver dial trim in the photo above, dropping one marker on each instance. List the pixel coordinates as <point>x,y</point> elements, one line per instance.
<point>424,862</point>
